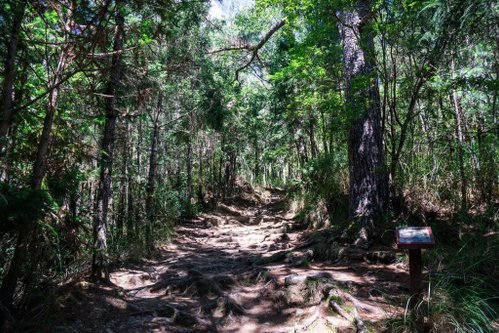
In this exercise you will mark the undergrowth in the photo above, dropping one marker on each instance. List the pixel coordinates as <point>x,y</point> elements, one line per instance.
<point>463,294</point>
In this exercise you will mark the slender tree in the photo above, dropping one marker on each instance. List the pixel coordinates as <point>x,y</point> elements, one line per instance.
<point>9,73</point>
<point>104,191</point>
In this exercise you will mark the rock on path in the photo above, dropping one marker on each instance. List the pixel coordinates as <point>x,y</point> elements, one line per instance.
<point>225,271</point>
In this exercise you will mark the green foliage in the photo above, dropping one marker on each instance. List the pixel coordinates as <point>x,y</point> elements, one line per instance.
<point>283,123</point>
<point>322,177</point>
<point>463,293</point>
<point>20,207</point>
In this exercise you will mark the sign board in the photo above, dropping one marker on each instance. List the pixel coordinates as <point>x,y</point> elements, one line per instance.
<point>415,238</point>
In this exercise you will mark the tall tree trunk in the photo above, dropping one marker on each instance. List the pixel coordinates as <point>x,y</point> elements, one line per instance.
<point>460,144</point>
<point>200,191</point>
<point>311,134</point>
<point>130,219</point>
<point>10,281</point>
<point>138,209</point>
<point>151,178</point>
<point>121,211</point>
<point>324,133</point>
<point>5,169</point>
<point>368,190</point>
<point>99,260</point>
<point>189,160</point>
<point>10,73</point>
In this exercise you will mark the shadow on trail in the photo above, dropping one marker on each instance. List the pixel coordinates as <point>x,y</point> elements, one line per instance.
<point>230,270</point>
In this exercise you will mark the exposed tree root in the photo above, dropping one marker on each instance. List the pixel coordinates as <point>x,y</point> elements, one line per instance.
<point>205,285</point>
<point>361,328</point>
<point>311,320</point>
<point>337,308</point>
<point>276,257</point>
<point>361,305</point>
<point>177,316</point>
<point>180,283</point>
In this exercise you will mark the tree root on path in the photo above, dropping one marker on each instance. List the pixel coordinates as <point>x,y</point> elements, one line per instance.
<point>178,317</point>
<point>319,313</point>
<point>361,328</point>
<point>205,285</point>
<point>179,283</point>
<point>361,305</point>
<point>337,308</point>
<point>311,320</point>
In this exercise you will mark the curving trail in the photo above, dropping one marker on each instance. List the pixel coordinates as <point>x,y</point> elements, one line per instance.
<point>240,268</point>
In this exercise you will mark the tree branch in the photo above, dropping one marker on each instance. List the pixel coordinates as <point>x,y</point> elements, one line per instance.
<point>252,48</point>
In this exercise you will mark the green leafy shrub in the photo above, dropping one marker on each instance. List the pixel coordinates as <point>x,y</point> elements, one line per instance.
<point>21,206</point>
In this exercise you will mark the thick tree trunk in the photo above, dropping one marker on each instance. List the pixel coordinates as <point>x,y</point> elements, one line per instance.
<point>99,260</point>
<point>9,74</point>
<point>368,192</point>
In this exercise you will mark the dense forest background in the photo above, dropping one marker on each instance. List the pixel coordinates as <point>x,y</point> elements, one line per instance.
<point>119,118</point>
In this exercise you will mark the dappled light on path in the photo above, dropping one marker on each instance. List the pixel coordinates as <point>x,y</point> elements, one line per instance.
<point>240,268</point>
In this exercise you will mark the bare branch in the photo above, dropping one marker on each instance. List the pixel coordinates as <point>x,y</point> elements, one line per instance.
<point>253,55</point>
<point>233,48</point>
<point>253,48</point>
<point>269,34</point>
<point>109,54</point>
<point>257,46</point>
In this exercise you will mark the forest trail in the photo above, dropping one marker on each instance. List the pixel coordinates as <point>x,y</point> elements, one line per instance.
<point>242,268</point>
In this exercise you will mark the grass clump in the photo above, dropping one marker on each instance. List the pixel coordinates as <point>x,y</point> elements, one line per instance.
<point>463,293</point>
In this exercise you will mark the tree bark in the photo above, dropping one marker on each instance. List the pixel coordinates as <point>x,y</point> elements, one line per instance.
<point>189,158</point>
<point>256,165</point>
<point>368,190</point>
<point>130,218</point>
<point>9,284</point>
<point>460,144</point>
<point>121,211</point>
<point>9,74</point>
<point>200,191</point>
<point>151,178</point>
<point>104,192</point>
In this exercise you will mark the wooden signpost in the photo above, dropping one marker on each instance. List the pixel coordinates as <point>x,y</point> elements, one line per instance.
<point>414,239</point>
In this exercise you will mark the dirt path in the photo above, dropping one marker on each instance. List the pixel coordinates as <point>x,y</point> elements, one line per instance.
<point>241,268</point>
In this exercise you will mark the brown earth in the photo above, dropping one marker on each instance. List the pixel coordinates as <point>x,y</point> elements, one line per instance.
<point>245,267</point>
